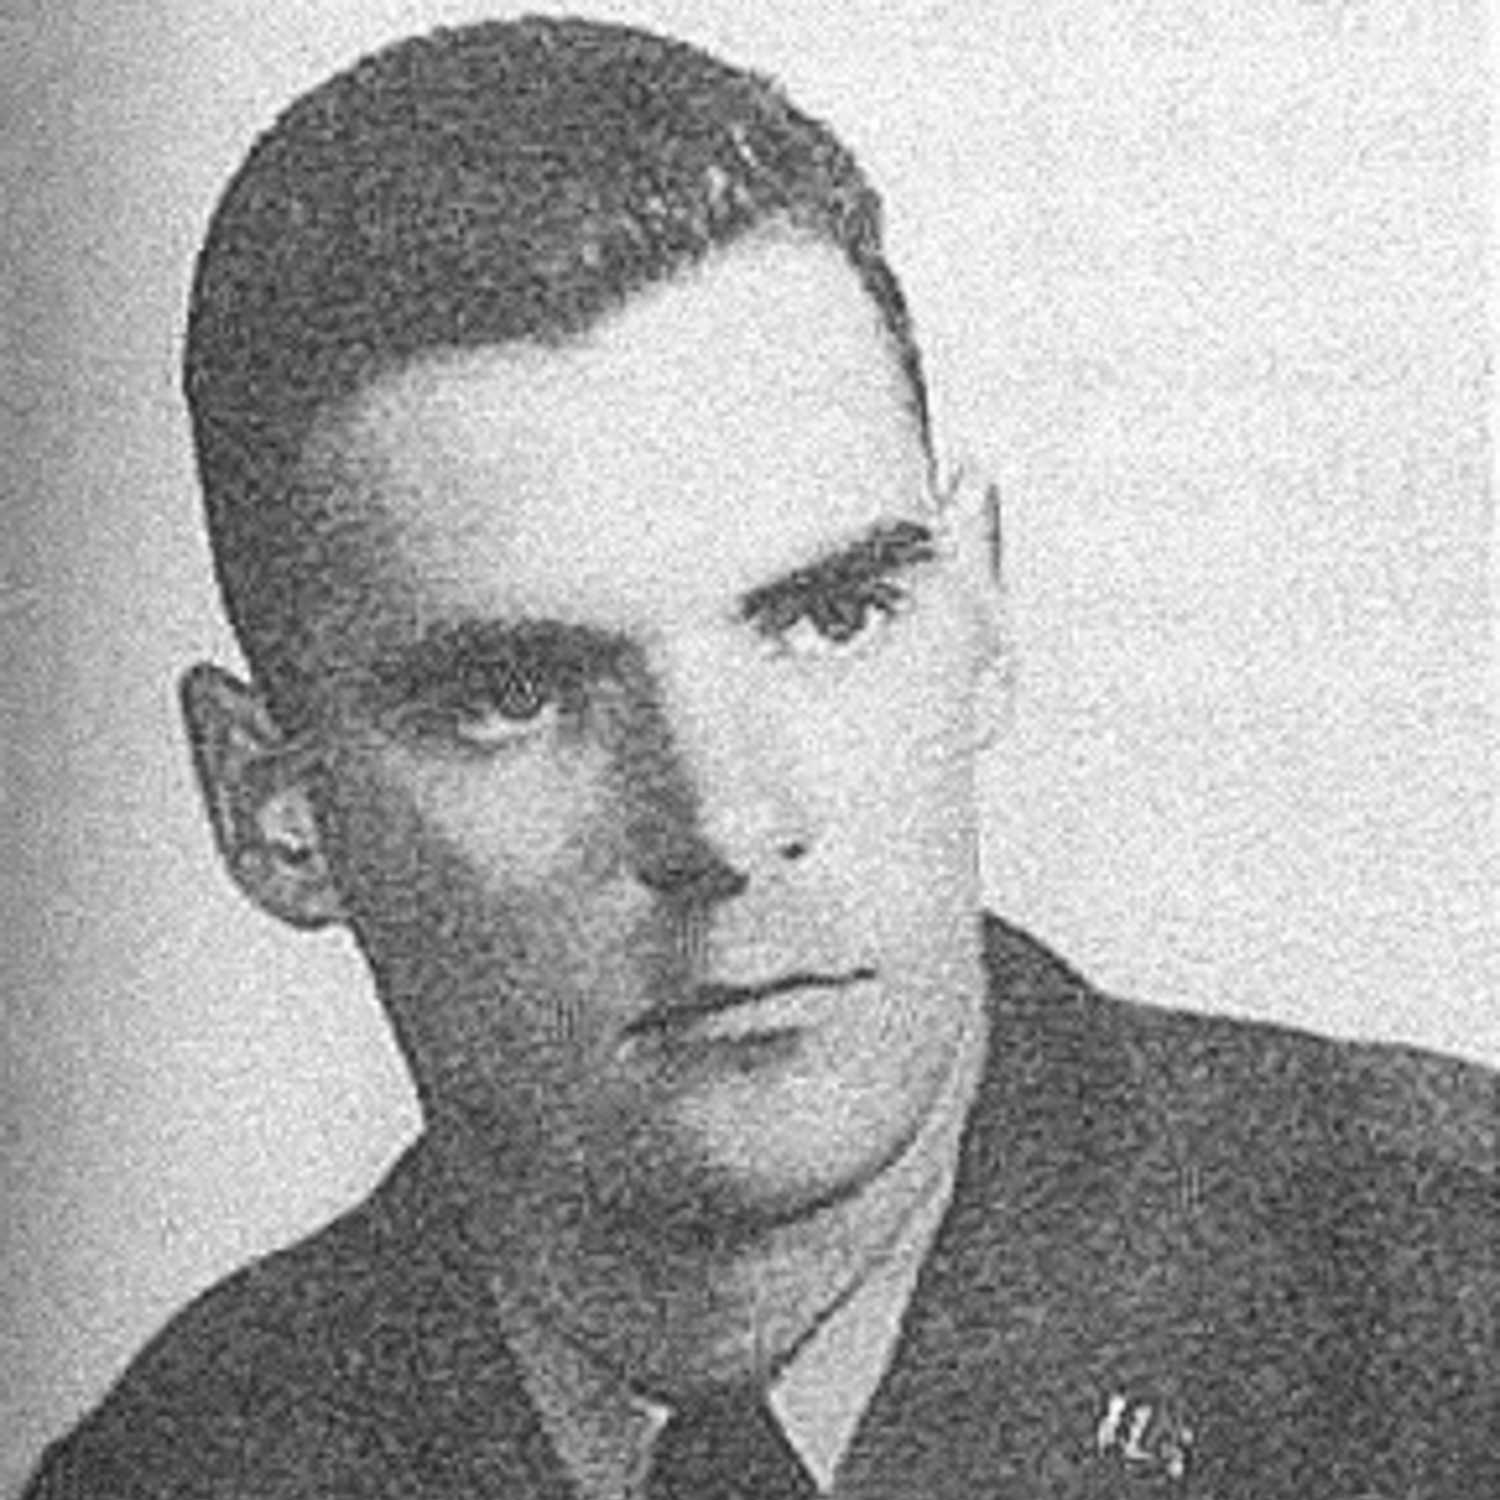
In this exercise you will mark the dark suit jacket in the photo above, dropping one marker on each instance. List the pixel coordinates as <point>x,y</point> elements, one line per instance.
<point>1185,1256</point>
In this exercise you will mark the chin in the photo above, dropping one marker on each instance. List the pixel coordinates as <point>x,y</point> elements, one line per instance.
<point>721,1211</point>
<point>715,1181</point>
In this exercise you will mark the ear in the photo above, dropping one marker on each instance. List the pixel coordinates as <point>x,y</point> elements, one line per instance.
<point>256,786</point>
<point>970,508</point>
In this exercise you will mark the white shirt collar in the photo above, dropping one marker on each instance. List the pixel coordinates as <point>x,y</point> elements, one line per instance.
<point>822,1394</point>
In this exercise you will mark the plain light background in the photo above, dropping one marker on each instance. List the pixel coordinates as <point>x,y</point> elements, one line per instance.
<point>1201,285</point>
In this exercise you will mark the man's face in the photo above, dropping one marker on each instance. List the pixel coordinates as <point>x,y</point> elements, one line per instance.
<point>648,747</point>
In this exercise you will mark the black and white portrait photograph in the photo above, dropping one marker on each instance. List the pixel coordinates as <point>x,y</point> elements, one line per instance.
<point>749,752</point>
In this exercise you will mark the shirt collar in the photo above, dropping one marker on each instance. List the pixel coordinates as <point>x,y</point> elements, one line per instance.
<point>603,1430</point>
<point>821,1395</point>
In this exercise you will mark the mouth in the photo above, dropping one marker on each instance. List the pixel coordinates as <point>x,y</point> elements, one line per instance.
<point>715,999</point>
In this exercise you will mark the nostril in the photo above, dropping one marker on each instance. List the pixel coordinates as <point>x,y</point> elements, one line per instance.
<point>695,875</point>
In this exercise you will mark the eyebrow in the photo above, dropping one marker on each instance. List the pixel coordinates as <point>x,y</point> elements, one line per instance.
<point>446,653</point>
<point>886,548</point>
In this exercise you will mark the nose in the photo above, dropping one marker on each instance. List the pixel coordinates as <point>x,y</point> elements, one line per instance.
<point>712,788</point>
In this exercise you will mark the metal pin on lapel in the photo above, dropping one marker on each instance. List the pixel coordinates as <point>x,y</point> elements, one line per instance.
<point>1146,1438</point>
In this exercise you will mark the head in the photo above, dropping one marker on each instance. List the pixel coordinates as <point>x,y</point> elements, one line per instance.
<point>616,669</point>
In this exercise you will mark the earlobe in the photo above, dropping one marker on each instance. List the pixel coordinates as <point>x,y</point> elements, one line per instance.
<point>256,788</point>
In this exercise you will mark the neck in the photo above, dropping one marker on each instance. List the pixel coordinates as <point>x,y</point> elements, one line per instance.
<point>671,1314</point>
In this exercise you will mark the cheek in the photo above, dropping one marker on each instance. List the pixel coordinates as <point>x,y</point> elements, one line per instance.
<point>895,771</point>
<point>488,919</point>
<point>900,736</point>
<point>514,826</point>
<point>463,881</point>
<point>536,822</point>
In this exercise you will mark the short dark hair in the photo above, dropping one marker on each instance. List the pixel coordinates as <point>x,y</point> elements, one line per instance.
<point>507,181</point>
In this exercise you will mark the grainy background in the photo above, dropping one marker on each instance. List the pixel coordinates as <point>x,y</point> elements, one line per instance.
<point>1202,285</point>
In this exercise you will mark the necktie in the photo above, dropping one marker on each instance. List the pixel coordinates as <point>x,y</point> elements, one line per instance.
<point>730,1448</point>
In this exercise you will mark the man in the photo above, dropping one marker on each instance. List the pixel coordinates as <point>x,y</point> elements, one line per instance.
<point>618,666</point>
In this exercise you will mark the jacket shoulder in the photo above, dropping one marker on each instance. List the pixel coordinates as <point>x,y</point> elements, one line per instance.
<point>1386,1151</point>
<point>1391,1101</point>
<point>313,1371</point>
<point>1207,1076</point>
<point>1375,1143</point>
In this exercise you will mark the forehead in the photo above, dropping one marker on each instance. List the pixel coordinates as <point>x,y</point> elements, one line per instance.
<point>726,427</point>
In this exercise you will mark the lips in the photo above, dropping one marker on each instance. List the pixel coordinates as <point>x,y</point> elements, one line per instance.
<point>714,999</point>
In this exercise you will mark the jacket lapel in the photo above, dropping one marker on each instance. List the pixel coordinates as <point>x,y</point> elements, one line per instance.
<point>455,1416</point>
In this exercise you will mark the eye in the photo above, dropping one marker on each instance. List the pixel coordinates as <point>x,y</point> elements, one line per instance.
<point>836,619</point>
<point>494,706</point>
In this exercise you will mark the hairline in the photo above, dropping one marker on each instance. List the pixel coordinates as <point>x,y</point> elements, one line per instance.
<point>341,407</point>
